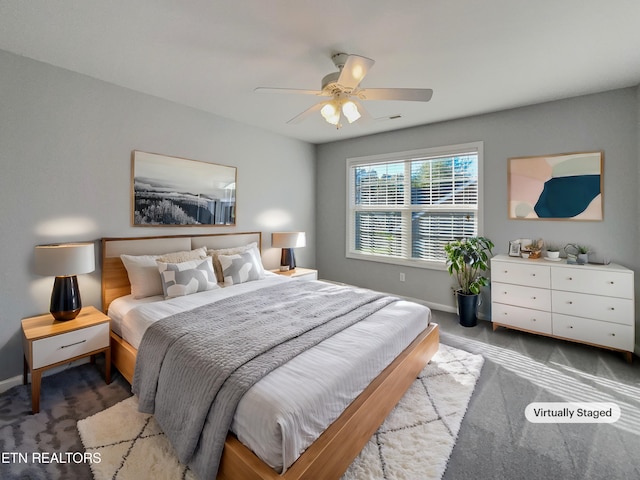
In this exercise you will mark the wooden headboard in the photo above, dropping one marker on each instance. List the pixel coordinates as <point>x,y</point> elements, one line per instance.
<point>115,281</point>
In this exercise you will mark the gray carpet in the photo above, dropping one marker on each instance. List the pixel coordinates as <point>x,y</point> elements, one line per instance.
<point>495,440</point>
<point>66,397</point>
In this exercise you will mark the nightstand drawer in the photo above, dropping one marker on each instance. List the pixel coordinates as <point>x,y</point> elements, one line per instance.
<point>59,348</point>
<point>307,276</point>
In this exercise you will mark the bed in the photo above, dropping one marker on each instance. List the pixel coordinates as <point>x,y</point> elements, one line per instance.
<point>332,452</point>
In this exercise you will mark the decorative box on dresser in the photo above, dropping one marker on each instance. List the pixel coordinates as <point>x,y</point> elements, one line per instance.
<point>592,304</point>
<point>49,343</point>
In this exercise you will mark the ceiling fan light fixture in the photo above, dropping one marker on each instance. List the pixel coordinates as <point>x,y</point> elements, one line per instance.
<point>350,110</point>
<point>331,113</point>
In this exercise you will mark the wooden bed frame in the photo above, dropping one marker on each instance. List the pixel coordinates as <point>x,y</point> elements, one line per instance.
<point>332,453</point>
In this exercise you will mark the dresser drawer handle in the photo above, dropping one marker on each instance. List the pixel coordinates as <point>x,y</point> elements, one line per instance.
<point>534,320</point>
<point>612,334</point>
<point>534,298</point>
<point>613,308</point>
<point>570,278</point>
<point>72,344</point>
<point>612,282</point>
<point>570,302</point>
<point>533,274</point>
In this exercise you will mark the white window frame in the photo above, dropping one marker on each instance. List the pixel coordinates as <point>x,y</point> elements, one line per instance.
<point>448,150</point>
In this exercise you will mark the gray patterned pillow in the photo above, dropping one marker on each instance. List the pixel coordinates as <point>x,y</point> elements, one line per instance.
<point>179,279</point>
<point>240,268</point>
<point>229,251</point>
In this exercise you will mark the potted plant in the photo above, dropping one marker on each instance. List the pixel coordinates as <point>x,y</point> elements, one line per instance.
<point>467,259</point>
<point>583,253</point>
<point>553,251</point>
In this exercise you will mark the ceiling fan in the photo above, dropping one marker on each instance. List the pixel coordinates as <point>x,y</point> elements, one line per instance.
<point>343,88</point>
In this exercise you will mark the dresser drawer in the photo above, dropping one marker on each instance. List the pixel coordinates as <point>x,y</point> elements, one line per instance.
<point>599,282</point>
<point>521,274</point>
<point>610,309</point>
<point>606,334</point>
<point>524,318</point>
<point>59,348</point>
<point>528,297</point>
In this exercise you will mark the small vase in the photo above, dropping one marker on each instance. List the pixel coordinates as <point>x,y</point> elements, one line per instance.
<point>553,254</point>
<point>583,258</point>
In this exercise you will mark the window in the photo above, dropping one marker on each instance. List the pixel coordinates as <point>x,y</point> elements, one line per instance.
<point>404,207</point>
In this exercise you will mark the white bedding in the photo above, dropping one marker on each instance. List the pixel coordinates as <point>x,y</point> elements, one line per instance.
<point>281,415</point>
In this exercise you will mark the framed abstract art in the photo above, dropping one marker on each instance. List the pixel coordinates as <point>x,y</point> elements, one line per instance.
<point>565,186</point>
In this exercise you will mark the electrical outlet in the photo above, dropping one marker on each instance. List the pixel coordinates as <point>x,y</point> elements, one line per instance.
<point>402,276</point>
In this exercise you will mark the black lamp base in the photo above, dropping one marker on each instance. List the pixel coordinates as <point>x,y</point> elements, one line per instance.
<point>288,259</point>
<point>65,298</point>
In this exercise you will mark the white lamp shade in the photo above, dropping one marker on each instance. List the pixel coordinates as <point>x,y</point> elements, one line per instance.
<point>64,260</point>
<point>350,110</point>
<point>288,239</point>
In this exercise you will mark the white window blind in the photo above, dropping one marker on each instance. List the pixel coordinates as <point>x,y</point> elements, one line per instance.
<point>404,207</point>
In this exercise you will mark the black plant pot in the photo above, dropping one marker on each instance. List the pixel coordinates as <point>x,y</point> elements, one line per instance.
<point>468,309</point>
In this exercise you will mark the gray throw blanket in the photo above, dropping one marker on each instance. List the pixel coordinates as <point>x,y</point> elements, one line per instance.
<point>193,368</point>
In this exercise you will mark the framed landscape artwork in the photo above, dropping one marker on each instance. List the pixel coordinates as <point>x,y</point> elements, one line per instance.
<point>171,191</point>
<point>566,186</point>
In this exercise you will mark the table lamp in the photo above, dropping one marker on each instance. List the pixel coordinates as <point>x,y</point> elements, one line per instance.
<point>288,241</point>
<point>65,261</point>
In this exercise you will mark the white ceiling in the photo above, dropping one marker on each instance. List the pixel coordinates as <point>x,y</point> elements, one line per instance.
<point>477,56</point>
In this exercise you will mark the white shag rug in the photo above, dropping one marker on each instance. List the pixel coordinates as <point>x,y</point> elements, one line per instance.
<point>414,442</point>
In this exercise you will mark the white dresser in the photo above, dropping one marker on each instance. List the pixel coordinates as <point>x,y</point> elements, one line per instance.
<point>591,304</point>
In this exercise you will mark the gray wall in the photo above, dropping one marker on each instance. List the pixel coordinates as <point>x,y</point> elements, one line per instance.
<point>607,121</point>
<point>65,150</point>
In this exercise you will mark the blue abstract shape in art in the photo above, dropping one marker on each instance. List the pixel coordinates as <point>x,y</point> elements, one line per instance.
<point>566,197</point>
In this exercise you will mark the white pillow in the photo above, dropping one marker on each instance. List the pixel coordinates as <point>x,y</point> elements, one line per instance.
<point>143,275</point>
<point>241,268</point>
<point>185,256</point>
<point>232,251</point>
<point>179,279</point>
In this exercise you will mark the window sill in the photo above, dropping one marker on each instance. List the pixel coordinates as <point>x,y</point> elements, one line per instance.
<point>398,261</point>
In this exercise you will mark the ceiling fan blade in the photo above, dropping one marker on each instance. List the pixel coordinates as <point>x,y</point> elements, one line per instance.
<point>407,94</point>
<point>287,90</point>
<point>307,113</point>
<point>354,70</point>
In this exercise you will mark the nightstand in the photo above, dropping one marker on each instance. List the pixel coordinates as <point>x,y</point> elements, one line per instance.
<point>49,343</point>
<point>304,274</point>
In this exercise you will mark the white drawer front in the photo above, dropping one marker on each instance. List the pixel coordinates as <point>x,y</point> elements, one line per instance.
<point>307,277</point>
<point>610,309</point>
<point>598,282</point>
<point>520,296</point>
<point>58,348</point>
<point>521,274</point>
<point>532,320</point>
<point>592,331</point>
